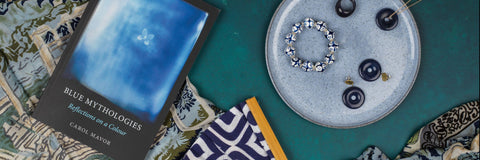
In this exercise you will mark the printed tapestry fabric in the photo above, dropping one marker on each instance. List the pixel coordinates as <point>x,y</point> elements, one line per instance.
<point>453,135</point>
<point>33,35</point>
<point>240,133</point>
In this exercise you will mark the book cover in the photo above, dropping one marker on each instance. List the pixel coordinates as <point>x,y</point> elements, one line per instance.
<point>121,71</point>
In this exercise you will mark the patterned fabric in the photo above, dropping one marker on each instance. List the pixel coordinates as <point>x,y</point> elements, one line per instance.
<point>33,36</point>
<point>371,153</point>
<point>453,135</point>
<point>189,115</point>
<point>234,135</point>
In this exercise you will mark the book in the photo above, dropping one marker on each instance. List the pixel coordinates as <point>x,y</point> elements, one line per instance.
<point>121,71</point>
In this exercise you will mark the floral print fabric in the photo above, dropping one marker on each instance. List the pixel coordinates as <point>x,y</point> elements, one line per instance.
<point>188,117</point>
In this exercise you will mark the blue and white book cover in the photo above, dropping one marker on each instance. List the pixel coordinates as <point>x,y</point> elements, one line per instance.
<point>113,88</point>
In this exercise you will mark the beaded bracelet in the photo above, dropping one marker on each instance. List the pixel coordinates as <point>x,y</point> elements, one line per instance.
<point>308,65</point>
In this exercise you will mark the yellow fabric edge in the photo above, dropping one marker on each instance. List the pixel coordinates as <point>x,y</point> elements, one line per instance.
<point>267,132</point>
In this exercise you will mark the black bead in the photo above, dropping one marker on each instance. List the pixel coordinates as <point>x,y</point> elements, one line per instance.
<point>370,70</point>
<point>383,20</point>
<point>353,97</point>
<point>345,12</point>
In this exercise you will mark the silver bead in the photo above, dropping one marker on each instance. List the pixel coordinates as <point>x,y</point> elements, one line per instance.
<point>290,51</point>
<point>320,66</point>
<point>290,38</point>
<point>321,26</point>
<point>332,46</point>
<point>330,35</point>
<point>329,58</point>
<point>307,66</point>
<point>308,22</point>
<point>297,28</point>
<point>296,62</point>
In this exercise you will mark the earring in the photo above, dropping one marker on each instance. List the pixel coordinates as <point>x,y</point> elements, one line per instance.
<point>348,81</point>
<point>370,70</point>
<point>385,76</point>
<point>345,12</point>
<point>386,19</point>
<point>353,97</point>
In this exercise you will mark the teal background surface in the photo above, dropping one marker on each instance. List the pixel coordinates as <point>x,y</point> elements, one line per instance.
<point>231,68</point>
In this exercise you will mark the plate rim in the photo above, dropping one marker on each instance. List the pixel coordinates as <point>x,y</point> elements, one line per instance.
<point>352,126</point>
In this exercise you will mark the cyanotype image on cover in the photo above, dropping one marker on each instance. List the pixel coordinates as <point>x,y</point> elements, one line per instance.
<point>132,55</point>
<point>121,71</point>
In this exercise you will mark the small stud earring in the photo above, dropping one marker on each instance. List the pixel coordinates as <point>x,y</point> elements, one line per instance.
<point>385,76</point>
<point>348,81</point>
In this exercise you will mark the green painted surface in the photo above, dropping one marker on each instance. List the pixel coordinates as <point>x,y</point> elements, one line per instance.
<point>231,67</point>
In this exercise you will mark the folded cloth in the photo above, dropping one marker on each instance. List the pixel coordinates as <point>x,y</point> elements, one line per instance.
<point>241,133</point>
<point>189,115</point>
<point>453,135</point>
<point>33,36</point>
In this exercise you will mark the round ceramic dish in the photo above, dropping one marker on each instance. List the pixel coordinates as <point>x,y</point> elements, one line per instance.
<point>317,96</point>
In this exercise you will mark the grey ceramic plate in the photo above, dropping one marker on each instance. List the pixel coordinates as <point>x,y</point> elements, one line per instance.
<point>317,96</point>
